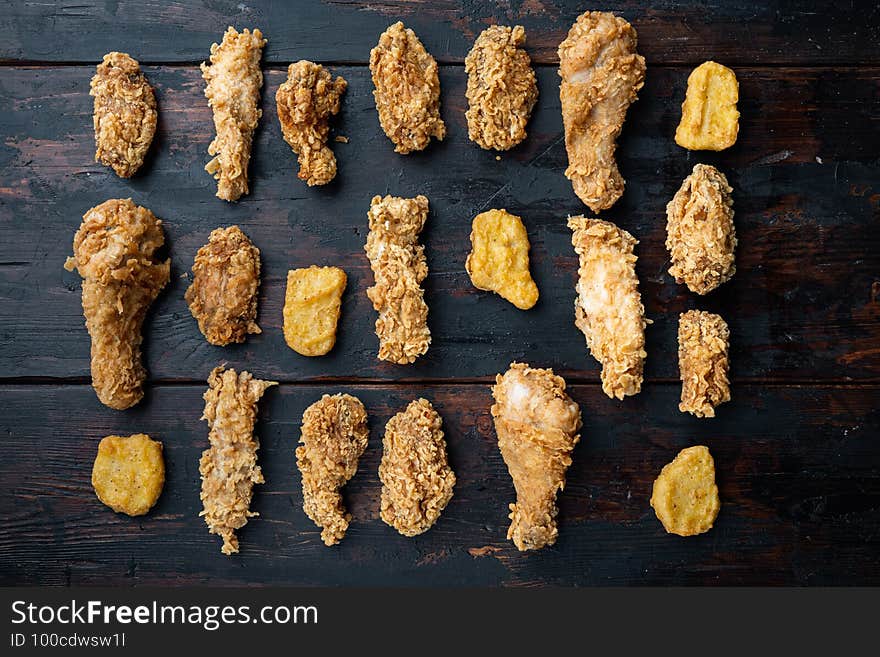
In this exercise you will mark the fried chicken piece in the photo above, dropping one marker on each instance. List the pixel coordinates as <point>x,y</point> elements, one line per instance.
<point>685,495</point>
<point>114,251</point>
<point>399,267</point>
<point>129,473</point>
<point>608,307</point>
<point>125,114</point>
<point>407,90</point>
<point>223,294</point>
<point>305,103</point>
<point>232,87</point>
<point>334,435</point>
<point>416,478</point>
<point>501,89</point>
<point>229,466</point>
<point>700,235</point>
<point>709,117</point>
<point>312,305</point>
<point>537,425</point>
<point>601,76</point>
<point>703,343</point>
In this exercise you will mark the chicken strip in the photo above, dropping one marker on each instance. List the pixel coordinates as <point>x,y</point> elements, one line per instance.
<point>407,90</point>
<point>703,343</point>
<point>305,104</point>
<point>608,307</point>
<point>399,267</point>
<point>601,76</point>
<point>229,466</point>
<point>125,114</point>
<point>334,435</point>
<point>416,478</point>
<point>114,251</point>
<point>501,89</point>
<point>232,87</point>
<point>537,425</point>
<point>223,294</point>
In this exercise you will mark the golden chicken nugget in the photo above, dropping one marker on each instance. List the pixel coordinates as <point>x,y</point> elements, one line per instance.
<point>312,307</point>
<point>685,497</point>
<point>709,118</point>
<point>129,473</point>
<point>499,258</point>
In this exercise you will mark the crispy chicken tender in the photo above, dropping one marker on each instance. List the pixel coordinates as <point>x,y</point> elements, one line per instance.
<point>229,466</point>
<point>129,473</point>
<point>501,89</point>
<point>608,307</point>
<point>305,103</point>
<point>601,76</point>
<point>114,251</point>
<point>703,343</point>
<point>399,267</point>
<point>685,496</point>
<point>700,234</point>
<point>416,478</point>
<point>709,118</point>
<point>223,294</point>
<point>125,114</point>
<point>537,425</point>
<point>334,435</point>
<point>232,87</point>
<point>312,305</point>
<point>407,90</point>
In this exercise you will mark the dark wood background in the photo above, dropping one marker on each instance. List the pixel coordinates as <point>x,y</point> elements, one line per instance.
<point>797,450</point>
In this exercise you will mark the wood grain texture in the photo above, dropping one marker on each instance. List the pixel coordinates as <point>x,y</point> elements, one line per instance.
<point>776,32</point>
<point>798,473</point>
<point>804,305</point>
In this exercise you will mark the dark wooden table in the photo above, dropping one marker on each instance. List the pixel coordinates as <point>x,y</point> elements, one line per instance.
<point>797,450</point>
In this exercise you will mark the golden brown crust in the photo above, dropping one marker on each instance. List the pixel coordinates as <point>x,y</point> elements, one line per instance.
<point>601,76</point>
<point>399,267</point>
<point>223,294</point>
<point>703,344</point>
<point>537,425</point>
<point>608,306</point>
<point>709,117</point>
<point>407,90</point>
<point>129,473</point>
<point>305,103</point>
<point>115,253</point>
<point>229,466</point>
<point>685,496</point>
<point>124,114</point>
<point>501,89</point>
<point>417,481</point>
<point>232,87</point>
<point>700,234</point>
<point>312,305</point>
<point>334,436</point>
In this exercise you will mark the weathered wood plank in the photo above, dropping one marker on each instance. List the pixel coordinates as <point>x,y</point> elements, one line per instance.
<point>798,472</point>
<point>780,32</point>
<point>804,304</point>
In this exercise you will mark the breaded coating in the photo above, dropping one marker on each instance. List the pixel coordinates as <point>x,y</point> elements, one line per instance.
<point>685,496</point>
<point>407,90</point>
<point>601,76</point>
<point>334,435</point>
<point>114,251</point>
<point>499,258</point>
<point>399,267</point>
<point>416,478</point>
<point>703,343</point>
<point>700,235</point>
<point>223,294</point>
<point>232,87</point>
<point>129,473</point>
<point>501,89</point>
<point>125,114</point>
<point>312,305</point>
<point>709,118</point>
<point>537,425</point>
<point>305,103</point>
<point>229,466</point>
<point>608,307</point>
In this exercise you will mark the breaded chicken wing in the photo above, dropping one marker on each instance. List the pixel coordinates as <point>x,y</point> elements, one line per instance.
<point>601,76</point>
<point>703,343</point>
<point>537,425</point>
<point>114,251</point>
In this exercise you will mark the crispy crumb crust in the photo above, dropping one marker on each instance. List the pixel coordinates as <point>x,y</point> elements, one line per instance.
<point>685,496</point>
<point>703,344</point>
